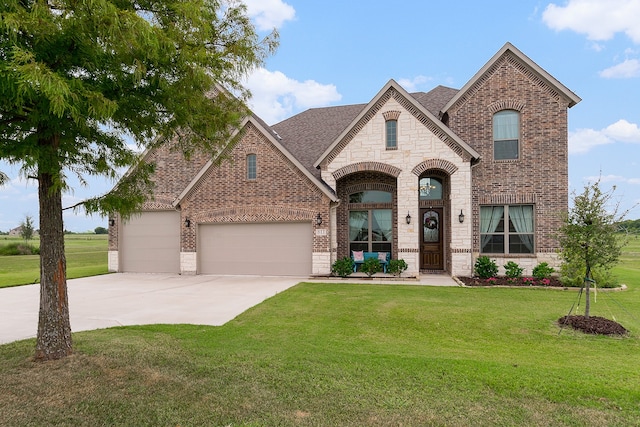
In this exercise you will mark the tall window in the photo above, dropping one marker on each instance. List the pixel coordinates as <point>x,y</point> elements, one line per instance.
<point>371,229</point>
<point>506,134</point>
<point>252,167</point>
<point>392,134</point>
<point>506,229</point>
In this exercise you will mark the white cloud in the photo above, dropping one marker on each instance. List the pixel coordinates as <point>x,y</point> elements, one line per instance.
<point>269,14</point>
<point>276,96</point>
<point>583,140</point>
<point>627,69</point>
<point>604,179</point>
<point>414,84</point>
<point>598,19</point>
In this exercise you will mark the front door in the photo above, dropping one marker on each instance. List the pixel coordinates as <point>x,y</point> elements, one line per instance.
<point>431,247</point>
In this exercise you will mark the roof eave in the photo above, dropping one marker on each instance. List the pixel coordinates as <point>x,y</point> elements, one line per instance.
<point>572,98</point>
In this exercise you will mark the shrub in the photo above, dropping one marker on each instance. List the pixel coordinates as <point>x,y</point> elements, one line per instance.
<point>512,270</point>
<point>396,267</point>
<point>572,275</point>
<point>371,266</point>
<point>542,271</point>
<point>485,267</point>
<point>15,248</point>
<point>342,267</point>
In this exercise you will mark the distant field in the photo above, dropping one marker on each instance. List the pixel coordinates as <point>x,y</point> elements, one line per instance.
<point>86,256</point>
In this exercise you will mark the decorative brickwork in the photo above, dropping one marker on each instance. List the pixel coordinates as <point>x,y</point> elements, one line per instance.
<point>391,115</point>
<point>280,193</point>
<point>360,181</point>
<point>540,175</point>
<point>367,166</point>
<point>440,164</point>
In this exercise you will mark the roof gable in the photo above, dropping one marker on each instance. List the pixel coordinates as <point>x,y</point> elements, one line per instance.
<point>273,139</point>
<point>411,104</point>
<point>510,52</point>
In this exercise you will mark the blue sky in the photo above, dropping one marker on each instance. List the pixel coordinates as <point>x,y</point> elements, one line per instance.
<point>343,52</point>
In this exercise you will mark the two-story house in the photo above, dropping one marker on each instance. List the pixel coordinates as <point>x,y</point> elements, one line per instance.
<point>436,178</point>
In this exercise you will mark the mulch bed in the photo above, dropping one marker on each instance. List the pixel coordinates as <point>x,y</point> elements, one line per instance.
<point>593,325</point>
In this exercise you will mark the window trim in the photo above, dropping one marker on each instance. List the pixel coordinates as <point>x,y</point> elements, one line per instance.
<point>387,130</point>
<point>370,207</point>
<point>251,167</point>
<point>518,139</point>
<point>506,233</point>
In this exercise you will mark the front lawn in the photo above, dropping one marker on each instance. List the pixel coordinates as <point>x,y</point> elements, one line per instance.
<point>86,256</point>
<point>347,355</point>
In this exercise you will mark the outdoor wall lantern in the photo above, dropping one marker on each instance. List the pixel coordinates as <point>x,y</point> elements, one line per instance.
<point>112,222</point>
<point>318,219</point>
<point>408,218</point>
<point>461,217</point>
<point>187,223</point>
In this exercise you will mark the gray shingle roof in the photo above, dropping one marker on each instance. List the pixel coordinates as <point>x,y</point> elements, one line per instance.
<point>308,134</point>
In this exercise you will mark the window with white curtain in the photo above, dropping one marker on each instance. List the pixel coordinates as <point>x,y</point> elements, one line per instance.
<point>506,135</point>
<point>371,228</point>
<point>507,229</point>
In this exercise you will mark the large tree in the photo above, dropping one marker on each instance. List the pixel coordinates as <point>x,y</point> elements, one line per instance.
<point>80,79</point>
<point>588,236</point>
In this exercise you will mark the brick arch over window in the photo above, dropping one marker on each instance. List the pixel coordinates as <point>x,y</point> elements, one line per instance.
<point>356,188</point>
<point>367,167</point>
<point>441,164</point>
<point>506,104</point>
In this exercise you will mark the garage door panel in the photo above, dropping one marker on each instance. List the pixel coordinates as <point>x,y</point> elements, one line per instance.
<point>150,243</point>
<point>276,249</point>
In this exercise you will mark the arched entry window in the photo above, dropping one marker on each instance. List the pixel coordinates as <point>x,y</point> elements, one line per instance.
<point>371,221</point>
<point>430,188</point>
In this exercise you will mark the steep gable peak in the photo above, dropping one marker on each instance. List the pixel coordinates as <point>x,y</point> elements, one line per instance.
<point>509,52</point>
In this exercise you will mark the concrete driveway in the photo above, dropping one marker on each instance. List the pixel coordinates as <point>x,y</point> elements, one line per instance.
<point>137,299</point>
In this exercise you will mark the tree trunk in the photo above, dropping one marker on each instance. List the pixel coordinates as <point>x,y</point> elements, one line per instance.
<point>54,327</point>
<point>587,298</point>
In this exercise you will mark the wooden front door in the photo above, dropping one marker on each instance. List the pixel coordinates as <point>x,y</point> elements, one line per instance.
<point>431,246</point>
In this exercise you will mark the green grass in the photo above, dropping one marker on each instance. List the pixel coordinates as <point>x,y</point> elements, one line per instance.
<point>348,355</point>
<point>86,256</point>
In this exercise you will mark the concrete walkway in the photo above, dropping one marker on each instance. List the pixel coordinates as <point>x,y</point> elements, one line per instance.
<point>137,299</point>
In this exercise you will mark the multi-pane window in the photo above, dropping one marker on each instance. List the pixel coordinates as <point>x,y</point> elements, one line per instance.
<point>506,135</point>
<point>252,166</point>
<point>392,134</point>
<point>507,229</point>
<point>371,229</point>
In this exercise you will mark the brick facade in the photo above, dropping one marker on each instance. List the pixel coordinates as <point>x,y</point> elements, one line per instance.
<point>540,175</point>
<point>326,154</point>
<point>281,193</point>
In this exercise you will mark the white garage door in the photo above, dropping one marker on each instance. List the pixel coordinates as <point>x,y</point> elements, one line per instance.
<point>150,243</point>
<point>273,249</point>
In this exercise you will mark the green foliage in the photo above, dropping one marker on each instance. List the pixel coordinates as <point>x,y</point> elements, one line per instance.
<point>15,248</point>
<point>485,267</point>
<point>371,266</point>
<point>342,267</point>
<point>572,274</point>
<point>588,236</point>
<point>26,228</point>
<point>512,270</point>
<point>101,230</point>
<point>396,267</point>
<point>80,79</point>
<point>542,271</point>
